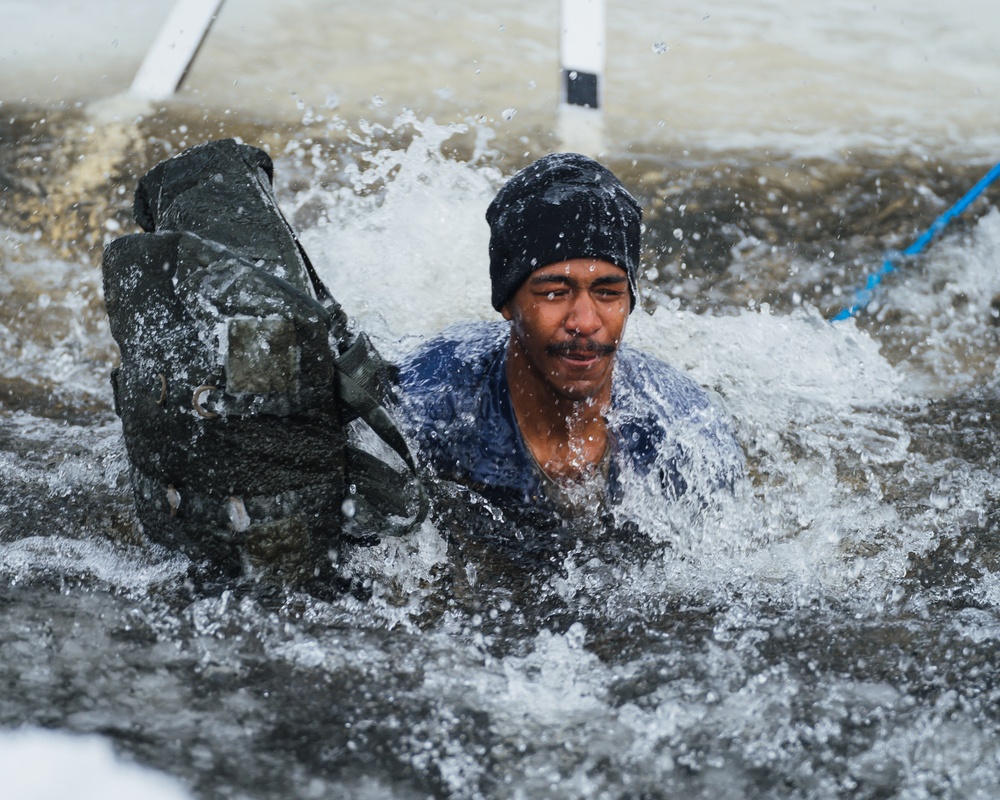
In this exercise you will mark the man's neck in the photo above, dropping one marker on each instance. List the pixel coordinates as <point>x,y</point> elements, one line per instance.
<point>568,438</point>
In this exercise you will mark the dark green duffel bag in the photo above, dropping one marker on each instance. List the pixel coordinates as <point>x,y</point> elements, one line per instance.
<point>239,378</point>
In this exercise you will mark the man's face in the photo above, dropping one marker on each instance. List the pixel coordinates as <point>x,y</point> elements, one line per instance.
<point>568,320</point>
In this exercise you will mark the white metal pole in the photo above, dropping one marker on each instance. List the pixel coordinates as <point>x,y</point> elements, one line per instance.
<point>582,53</point>
<point>582,58</point>
<point>174,49</point>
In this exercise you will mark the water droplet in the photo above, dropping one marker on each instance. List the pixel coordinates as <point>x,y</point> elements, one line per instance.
<point>941,499</point>
<point>239,519</point>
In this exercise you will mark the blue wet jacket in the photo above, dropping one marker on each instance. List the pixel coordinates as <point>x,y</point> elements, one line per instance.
<point>456,409</point>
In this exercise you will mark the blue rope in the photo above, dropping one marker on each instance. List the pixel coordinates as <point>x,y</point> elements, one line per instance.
<point>863,296</point>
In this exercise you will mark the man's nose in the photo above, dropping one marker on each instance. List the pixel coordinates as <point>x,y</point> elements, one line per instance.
<point>583,319</point>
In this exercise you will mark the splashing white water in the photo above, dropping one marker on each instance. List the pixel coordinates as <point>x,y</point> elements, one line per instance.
<point>945,303</point>
<point>405,250</point>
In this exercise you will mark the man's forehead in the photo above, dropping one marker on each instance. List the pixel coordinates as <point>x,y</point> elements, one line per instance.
<point>581,267</point>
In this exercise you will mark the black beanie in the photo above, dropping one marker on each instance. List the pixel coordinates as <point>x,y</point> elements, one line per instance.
<point>561,207</point>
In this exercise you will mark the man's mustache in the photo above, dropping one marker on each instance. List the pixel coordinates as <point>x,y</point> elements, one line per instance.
<point>584,347</point>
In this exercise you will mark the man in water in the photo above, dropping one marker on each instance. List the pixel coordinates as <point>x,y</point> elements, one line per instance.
<point>239,375</point>
<point>549,411</point>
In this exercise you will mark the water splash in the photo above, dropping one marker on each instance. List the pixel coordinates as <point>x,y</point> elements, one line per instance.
<point>411,224</point>
<point>831,633</point>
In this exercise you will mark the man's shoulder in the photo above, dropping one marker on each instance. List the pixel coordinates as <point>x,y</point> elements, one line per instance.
<point>666,421</point>
<point>454,407</point>
<point>457,357</point>
<point>655,385</point>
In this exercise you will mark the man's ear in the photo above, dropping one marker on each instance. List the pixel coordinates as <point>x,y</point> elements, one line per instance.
<point>506,312</point>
